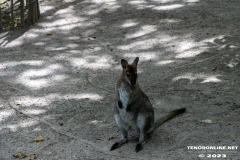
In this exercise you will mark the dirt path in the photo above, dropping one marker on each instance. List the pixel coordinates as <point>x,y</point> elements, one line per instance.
<point>57,78</point>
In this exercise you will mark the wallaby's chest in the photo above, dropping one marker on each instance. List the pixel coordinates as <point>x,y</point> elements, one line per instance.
<point>125,118</point>
<point>124,95</point>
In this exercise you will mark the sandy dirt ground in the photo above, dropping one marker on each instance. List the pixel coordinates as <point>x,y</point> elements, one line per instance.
<point>57,78</point>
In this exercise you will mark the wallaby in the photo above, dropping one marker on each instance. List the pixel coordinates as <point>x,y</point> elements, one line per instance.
<point>133,109</point>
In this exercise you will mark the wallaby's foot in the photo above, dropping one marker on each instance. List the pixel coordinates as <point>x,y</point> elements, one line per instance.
<point>114,146</point>
<point>118,144</point>
<point>139,147</point>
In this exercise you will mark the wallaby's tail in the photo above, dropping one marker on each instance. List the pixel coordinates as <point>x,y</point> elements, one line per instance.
<point>165,118</point>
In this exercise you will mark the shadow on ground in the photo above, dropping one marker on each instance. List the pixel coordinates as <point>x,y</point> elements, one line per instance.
<point>57,77</point>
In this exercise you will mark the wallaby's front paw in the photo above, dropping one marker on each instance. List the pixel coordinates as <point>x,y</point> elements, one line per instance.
<point>120,104</point>
<point>138,147</point>
<point>128,109</point>
<point>114,146</point>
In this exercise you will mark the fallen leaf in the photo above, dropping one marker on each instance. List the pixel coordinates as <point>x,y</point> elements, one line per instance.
<point>112,136</point>
<point>20,155</point>
<point>32,157</point>
<point>49,34</point>
<point>38,139</point>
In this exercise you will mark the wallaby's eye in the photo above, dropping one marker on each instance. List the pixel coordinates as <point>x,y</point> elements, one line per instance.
<point>128,74</point>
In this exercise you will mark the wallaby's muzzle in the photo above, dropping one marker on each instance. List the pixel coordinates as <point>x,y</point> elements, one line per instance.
<point>133,82</point>
<point>132,78</point>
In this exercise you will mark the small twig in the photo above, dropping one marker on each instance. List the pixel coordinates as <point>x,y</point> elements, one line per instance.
<point>154,92</point>
<point>56,129</point>
<point>40,148</point>
<point>91,82</point>
<point>53,127</point>
<point>183,90</point>
<point>171,149</point>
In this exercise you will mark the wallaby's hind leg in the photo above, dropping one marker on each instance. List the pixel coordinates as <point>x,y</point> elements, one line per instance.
<point>141,141</point>
<point>123,140</point>
<point>141,123</point>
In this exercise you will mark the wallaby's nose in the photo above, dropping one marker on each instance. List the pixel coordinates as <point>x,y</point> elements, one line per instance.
<point>133,83</point>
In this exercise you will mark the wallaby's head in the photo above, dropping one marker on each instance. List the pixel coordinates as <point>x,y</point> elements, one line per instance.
<point>130,71</point>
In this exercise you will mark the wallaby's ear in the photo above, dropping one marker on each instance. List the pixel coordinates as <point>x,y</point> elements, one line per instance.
<point>135,62</point>
<point>124,63</point>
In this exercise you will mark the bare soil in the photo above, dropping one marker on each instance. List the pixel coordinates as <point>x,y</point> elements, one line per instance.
<point>57,78</point>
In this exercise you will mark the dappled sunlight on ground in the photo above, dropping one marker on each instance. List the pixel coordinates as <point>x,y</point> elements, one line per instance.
<point>4,114</point>
<point>19,125</point>
<point>26,101</point>
<point>91,62</point>
<point>206,78</point>
<point>38,78</point>
<point>144,30</point>
<point>168,7</point>
<point>145,56</point>
<point>165,62</point>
